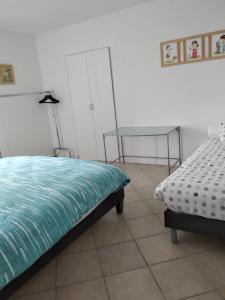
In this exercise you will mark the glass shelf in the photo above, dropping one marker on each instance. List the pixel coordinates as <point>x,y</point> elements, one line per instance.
<point>142,131</point>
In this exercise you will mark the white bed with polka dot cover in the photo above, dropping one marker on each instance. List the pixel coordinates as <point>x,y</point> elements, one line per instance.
<point>198,186</point>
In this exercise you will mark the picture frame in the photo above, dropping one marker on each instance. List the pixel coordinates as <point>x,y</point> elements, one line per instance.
<point>6,74</point>
<point>217,44</point>
<point>194,48</point>
<point>170,53</point>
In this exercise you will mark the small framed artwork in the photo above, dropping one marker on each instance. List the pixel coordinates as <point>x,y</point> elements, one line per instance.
<point>217,44</point>
<point>170,53</point>
<point>6,74</point>
<point>194,48</point>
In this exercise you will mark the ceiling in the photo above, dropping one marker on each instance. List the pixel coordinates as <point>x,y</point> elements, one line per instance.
<point>34,16</point>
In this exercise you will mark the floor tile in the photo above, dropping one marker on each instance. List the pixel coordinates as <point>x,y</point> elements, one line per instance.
<point>133,285</point>
<point>159,174</point>
<point>133,171</point>
<point>208,296</point>
<point>77,267</point>
<point>212,265</point>
<point>111,234</point>
<point>90,290</point>
<point>154,171</point>
<point>129,188</point>
<point>147,167</point>
<point>161,218</point>
<point>145,226</point>
<point>156,205</point>
<point>47,295</point>
<point>120,258</point>
<point>222,292</point>
<point>42,281</point>
<point>147,192</point>
<point>136,209</point>
<point>111,217</point>
<point>158,177</point>
<point>140,181</point>
<point>132,166</point>
<point>180,279</point>
<point>159,248</point>
<point>83,243</point>
<point>132,196</point>
<point>195,244</point>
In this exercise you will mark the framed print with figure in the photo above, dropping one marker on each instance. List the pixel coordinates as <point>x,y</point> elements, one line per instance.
<point>170,53</point>
<point>6,74</point>
<point>194,48</point>
<point>217,44</point>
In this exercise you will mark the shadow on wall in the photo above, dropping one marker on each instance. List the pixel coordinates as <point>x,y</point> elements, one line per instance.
<point>192,139</point>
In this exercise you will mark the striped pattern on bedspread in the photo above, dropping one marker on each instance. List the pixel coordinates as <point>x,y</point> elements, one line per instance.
<point>41,199</point>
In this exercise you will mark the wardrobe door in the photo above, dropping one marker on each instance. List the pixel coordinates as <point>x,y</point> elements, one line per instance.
<point>102,97</point>
<point>80,97</point>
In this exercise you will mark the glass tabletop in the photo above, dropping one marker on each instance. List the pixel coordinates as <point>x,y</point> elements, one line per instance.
<point>141,131</point>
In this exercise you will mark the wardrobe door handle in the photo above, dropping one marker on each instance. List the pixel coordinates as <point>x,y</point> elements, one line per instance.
<point>91,106</point>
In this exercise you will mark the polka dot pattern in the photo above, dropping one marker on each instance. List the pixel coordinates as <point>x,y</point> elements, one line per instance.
<point>198,186</point>
<point>221,130</point>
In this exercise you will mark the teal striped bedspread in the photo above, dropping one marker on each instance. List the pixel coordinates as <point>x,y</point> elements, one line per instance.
<point>41,199</point>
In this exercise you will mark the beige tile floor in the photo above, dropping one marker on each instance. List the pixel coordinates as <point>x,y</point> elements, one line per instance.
<point>131,256</point>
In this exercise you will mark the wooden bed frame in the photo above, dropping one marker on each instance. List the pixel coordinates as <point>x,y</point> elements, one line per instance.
<point>196,224</point>
<point>114,200</point>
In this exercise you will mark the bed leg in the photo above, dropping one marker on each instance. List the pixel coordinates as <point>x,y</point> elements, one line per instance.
<point>119,207</point>
<point>173,234</point>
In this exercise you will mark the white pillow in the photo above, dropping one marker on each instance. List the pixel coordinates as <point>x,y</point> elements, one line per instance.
<point>213,130</point>
<point>217,130</point>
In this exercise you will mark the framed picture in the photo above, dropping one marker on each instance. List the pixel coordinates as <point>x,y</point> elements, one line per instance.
<point>170,53</point>
<point>6,74</point>
<point>194,48</point>
<point>202,47</point>
<point>217,44</point>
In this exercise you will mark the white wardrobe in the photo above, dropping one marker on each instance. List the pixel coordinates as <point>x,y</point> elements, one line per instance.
<point>90,83</point>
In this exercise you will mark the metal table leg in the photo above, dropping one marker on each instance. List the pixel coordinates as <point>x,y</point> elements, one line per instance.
<point>173,234</point>
<point>118,144</point>
<point>179,141</point>
<point>168,153</point>
<point>104,137</point>
<point>122,147</point>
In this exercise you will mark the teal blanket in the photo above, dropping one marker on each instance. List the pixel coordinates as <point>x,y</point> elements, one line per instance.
<point>41,199</point>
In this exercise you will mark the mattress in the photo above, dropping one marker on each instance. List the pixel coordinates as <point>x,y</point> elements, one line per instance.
<point>41,199</point>
<point>198,186</point>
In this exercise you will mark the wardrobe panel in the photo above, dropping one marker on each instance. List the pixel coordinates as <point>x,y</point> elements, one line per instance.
<point>102,97</point>
<point>80,97</point>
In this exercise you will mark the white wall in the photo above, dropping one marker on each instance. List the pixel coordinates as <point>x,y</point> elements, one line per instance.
<point>24,124</point>
<point>191,96</point>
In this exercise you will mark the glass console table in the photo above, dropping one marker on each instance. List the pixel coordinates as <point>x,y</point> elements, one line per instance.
<point>166,131</point>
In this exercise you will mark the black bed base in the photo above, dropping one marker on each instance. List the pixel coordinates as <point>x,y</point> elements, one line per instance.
<point>195,224</point>
<point>114,200</point>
